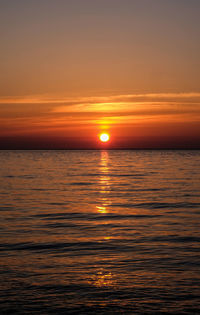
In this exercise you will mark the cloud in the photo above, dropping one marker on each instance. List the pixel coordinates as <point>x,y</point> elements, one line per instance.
<point>48,99</point>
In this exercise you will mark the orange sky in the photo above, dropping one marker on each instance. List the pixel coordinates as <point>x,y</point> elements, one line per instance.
<point>130,119</point>
<point>71,69</point>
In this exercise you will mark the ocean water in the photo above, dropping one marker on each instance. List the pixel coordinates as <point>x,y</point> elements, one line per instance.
<point>100,232</point>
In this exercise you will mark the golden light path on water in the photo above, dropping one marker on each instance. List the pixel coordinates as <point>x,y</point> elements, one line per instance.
<point>104,183</point>
<point>103,278</point>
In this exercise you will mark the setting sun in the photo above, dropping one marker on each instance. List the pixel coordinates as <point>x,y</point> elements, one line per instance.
<point>104,137</point>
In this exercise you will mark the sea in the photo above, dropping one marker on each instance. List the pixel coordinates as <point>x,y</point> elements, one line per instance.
<point>100,232</point>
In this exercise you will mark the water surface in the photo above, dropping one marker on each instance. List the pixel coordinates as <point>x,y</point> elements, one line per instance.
<point>100,232</point>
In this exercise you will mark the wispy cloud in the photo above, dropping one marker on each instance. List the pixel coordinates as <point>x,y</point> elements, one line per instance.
<point>48,99</point>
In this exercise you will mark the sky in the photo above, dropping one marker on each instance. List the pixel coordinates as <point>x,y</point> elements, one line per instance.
<point>71,69</point>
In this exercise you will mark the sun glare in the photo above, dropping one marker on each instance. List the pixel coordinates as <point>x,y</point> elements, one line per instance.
<point>104,137</point>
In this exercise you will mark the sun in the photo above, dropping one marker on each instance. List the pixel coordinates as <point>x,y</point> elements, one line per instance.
<point>104,137</point>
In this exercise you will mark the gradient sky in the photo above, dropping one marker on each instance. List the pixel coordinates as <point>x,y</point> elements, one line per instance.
<point>70,69</point>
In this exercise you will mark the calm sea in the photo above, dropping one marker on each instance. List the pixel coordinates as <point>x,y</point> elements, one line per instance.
<point>100,232</point>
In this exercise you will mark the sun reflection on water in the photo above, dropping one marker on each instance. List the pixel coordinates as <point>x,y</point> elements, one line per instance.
<point>102,279</point>
<point>101,209</point>
<point>104,183</point>
<point>104,160</point>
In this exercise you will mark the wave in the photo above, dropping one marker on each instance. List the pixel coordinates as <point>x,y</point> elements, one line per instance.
<point>91,216</point>
<point>158,205</point>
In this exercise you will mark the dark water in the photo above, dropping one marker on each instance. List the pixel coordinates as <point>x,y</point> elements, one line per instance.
<point>96,232</point>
